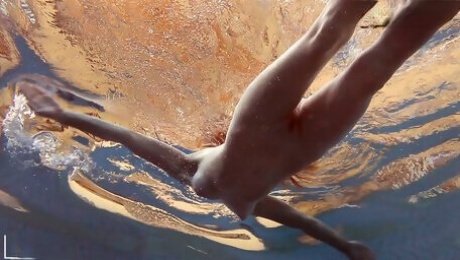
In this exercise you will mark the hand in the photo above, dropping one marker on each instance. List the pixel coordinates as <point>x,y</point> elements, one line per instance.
<point>358,251</point>
<point>39,100</point>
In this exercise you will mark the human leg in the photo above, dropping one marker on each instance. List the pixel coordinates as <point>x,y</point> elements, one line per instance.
<point>277,91</point>
<point>340,104</point>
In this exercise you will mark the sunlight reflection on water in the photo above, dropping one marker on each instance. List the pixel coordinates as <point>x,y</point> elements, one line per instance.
<point>190,61</point>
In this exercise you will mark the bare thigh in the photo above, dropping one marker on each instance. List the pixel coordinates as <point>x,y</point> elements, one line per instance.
<point>277,91</point>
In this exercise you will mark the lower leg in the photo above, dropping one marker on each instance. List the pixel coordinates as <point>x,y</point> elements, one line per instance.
<point>412,26</point>
<point>330,31</point>
<point>336,25</point>
<point>351,91</point>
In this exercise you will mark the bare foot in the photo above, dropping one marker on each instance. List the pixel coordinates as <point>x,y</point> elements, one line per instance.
<point>39,100</point>
<point>358,251</point>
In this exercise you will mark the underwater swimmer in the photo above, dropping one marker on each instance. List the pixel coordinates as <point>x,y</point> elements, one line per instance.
<point>274,132</point>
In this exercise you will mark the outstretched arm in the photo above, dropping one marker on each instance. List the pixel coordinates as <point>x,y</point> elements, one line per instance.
<point>277,210</point>
<point>177,164</point>
<point>173,161</point>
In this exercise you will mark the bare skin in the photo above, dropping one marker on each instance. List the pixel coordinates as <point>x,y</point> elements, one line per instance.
<point>274,132</point>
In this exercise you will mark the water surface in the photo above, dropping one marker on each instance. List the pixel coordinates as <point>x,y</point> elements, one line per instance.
<point>175,70</point>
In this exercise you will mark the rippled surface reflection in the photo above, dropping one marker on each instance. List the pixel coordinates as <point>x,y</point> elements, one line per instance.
<point>175,70</point>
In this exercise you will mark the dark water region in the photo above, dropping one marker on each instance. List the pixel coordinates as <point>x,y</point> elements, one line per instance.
<point>30,63</point>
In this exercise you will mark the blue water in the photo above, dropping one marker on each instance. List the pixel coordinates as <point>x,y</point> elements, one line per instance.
<point>62,226</point>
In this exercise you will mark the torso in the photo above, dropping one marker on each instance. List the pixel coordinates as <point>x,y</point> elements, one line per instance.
<point>255,158</point>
